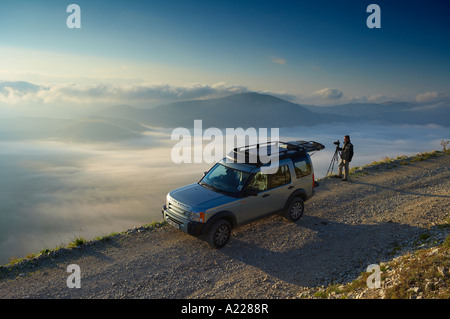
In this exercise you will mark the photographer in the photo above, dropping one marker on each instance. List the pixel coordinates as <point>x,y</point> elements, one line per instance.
<point>346,157</point>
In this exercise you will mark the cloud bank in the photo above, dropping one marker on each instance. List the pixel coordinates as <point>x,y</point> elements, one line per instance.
<point>279,61</point>
<point>329,94</point>
<point>432,97</point>
<point>25,97</point>
<point>24,92</point>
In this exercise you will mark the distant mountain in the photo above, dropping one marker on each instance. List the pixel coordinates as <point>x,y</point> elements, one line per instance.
<point>20,128</point>
<point>31,124</point>
<point>360,109</point>
<point>239,110</point>
<point>391,112</point>
<point>244,110</point>
<point>262,110</point>
<point>93,129</point>
<point>438,113</point>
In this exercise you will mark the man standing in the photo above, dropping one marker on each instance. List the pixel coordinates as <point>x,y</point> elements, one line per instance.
<point>346,157</point>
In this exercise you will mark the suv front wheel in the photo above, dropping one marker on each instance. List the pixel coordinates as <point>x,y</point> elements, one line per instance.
<point>218,234</point>
<point>295,209</point>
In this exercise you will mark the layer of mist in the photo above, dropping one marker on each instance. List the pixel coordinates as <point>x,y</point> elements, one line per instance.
<point>52,191</point>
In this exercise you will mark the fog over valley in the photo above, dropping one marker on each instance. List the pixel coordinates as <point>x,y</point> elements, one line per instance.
<point>61,178</point>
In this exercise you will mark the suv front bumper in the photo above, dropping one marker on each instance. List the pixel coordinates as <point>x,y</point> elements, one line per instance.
<point>190,227</point>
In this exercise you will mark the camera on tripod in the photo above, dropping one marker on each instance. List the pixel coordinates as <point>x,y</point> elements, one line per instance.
<point>335,158</point>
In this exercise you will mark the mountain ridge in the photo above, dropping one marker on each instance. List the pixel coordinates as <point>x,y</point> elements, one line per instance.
<point>239,110</point>
<point>253,109</point>
<point>250,109</point>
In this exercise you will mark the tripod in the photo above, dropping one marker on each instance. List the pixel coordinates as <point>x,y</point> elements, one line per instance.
<point>334,160</point>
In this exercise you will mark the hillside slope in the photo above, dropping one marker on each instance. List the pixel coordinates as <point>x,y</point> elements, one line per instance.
<point>347,226</point>
<point>262,110</point>
<point>239,110</point>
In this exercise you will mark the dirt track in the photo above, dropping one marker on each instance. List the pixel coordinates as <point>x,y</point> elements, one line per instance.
<point>346,227</point>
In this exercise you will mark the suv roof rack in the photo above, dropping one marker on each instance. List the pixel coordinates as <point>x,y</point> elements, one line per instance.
<point>250,154</point>
<point>307,146</point>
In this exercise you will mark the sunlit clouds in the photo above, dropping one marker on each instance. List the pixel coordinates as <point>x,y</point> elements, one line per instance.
<point>279,61</point>
<point>32,98</point>
<point>329,94</point>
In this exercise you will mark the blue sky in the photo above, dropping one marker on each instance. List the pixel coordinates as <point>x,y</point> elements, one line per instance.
<point>310,51</point>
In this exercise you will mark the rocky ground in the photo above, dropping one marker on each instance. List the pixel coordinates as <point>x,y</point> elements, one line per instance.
<point>382,216</point>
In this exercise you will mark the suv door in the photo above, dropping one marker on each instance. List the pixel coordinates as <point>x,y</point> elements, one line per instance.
<point>279,186</point>
<point>303,174</point>
<point>273,191</point>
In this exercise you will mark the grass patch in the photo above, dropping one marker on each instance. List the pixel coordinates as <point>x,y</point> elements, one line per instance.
<point>80,241</point>
<point>446,243</point>
<point>357,172</point>
<point>358,283</point>
<point>14,260</point>
<point>105,238</point>
<point>321,294</point>
<point>395,250</point>
<point>390,163</point>
<point>77,242</point>
<point>387,162</point>
<point>424,156</point>
<point>423,273</point>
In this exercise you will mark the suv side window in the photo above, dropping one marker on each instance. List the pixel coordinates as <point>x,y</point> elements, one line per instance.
<point>259,182</point>
<point>280,178</point>
<point>262,182</point>
<point>302,166</point>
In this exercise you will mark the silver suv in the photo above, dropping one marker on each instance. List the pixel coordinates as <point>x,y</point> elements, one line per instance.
<point>235,192</point>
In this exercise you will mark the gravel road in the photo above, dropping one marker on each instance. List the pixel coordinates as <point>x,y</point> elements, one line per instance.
<point>346,227</point>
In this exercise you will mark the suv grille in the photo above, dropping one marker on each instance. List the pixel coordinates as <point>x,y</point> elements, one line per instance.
<point>178,208</point>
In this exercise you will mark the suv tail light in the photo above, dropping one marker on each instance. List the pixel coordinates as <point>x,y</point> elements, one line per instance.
<point>314,181</point>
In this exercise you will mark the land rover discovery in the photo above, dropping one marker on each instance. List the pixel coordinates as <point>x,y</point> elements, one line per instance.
<point>234,192</point>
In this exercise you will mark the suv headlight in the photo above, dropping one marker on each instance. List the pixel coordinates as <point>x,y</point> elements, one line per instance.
<point>197,217</point>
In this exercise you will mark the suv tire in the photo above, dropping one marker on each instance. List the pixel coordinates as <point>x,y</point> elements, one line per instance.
<point>295,209</point>
<point>219,234</point>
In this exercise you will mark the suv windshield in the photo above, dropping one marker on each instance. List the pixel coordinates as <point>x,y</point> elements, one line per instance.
<point>224,178</point>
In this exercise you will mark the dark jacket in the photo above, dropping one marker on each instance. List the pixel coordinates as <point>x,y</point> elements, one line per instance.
<point>347,152</point>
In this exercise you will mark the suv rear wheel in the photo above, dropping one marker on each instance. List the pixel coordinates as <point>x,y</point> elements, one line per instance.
<point>295,209</point>
<point>219,233</point>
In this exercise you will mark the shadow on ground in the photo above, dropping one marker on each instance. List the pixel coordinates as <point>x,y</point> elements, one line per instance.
<point>337,252</point>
